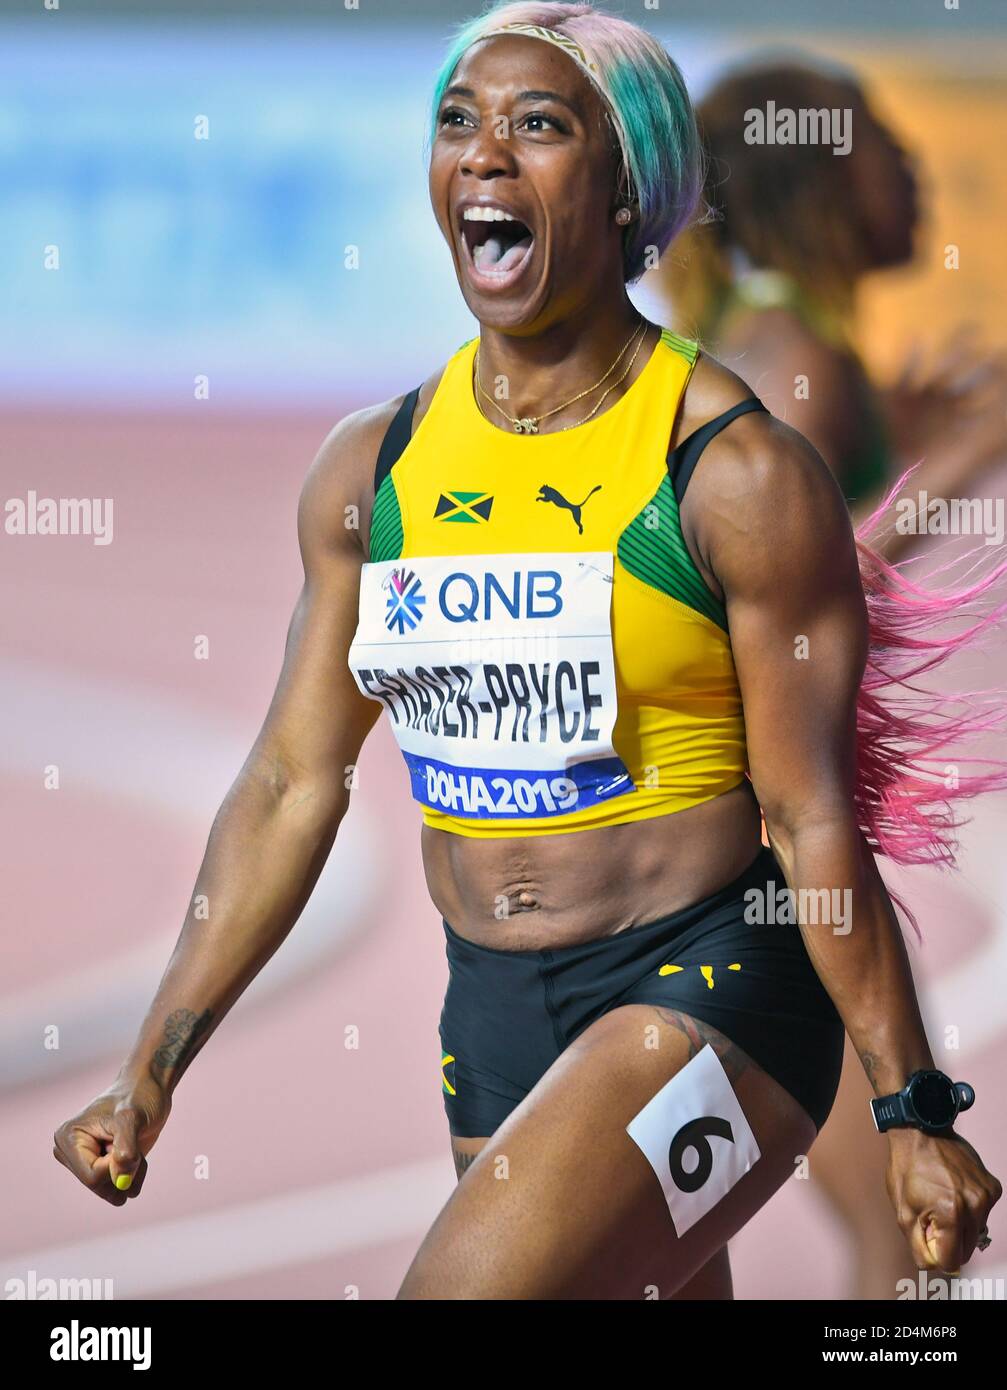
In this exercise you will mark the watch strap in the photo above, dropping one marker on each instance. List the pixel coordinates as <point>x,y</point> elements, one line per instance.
<point>890,1111</point>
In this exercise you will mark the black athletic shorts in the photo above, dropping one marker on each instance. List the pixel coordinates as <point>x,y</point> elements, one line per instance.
<point>508,1015</point>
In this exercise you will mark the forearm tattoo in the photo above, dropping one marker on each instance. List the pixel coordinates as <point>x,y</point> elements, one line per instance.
<point>699,1034</point>
<point>870,1063</point>
<point>183,1032</point>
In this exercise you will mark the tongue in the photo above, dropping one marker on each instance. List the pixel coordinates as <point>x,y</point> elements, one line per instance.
<point>492,256</point>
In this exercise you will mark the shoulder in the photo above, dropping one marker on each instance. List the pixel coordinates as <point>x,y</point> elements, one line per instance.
<point>341,474</point>
<point>712,388</point>
<point>759,478</point>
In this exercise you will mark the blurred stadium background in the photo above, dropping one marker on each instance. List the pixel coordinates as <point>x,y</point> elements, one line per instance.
<point>225,258</point>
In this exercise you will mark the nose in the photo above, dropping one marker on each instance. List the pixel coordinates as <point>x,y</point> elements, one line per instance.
<point>487,155</point>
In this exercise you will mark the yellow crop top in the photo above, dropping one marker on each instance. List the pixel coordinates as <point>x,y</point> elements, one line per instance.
<point>549,656</point>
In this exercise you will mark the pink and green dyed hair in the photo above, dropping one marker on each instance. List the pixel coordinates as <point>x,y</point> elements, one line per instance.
<point>649,107</point>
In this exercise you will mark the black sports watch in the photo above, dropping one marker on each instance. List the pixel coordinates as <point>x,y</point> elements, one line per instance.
<point>929,1100</point>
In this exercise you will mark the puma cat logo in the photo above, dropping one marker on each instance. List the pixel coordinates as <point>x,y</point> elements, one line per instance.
<point>549,494</point>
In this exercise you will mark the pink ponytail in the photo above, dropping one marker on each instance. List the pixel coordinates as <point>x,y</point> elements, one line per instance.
<point>910,741</point>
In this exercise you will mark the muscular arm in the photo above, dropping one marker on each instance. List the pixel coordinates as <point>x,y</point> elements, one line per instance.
<point>275,828</point>
<point>777,536</point>
<point>768,527</point>
<point>771,526</point>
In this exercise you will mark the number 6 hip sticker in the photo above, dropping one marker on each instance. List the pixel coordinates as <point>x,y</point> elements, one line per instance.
<point>694,1135</point>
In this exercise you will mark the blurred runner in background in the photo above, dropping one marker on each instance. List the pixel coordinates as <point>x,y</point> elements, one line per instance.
<point>769,283</point>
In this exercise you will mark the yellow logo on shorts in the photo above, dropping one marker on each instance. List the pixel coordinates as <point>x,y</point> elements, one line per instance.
<point>446,1062</point>
<point>705,970</point>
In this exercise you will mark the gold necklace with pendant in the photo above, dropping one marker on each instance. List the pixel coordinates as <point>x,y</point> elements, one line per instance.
<point>528,424</point>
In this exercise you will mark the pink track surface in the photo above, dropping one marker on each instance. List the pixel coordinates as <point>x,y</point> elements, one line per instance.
<point>324,1163</point>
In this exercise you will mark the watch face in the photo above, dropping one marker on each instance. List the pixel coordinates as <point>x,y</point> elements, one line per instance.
<point>934,1098</point>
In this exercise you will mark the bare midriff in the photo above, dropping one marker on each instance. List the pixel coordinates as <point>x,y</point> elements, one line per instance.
<point>548,891</point>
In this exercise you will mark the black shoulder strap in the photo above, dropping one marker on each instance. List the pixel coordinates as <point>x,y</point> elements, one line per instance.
<point>397,436</point>
<point>683,460</point>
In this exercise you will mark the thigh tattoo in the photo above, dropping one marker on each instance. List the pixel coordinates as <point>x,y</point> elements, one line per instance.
<point>463,1161</point>
<point>700,1035</point>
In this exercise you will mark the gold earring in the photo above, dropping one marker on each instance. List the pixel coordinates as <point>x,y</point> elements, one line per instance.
<point>623,216</point>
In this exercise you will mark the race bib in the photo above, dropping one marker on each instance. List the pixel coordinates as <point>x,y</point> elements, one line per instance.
<point>696,1138</point>
<point>498,676</point>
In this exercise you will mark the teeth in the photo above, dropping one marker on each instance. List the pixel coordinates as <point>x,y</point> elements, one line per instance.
<point>487,215</point>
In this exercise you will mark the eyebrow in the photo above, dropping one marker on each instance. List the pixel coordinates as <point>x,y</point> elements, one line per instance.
<point>550,96</point>
<point>459,91</point>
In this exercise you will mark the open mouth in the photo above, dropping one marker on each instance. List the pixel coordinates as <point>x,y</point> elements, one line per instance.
<point>498,244</point>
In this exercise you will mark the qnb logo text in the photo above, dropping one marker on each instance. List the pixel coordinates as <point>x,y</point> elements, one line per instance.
<point>522,594</point>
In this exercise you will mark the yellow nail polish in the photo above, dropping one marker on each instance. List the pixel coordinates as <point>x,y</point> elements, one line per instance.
<point>124,1181</point>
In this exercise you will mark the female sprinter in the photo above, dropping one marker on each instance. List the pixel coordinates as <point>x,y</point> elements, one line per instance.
<point>583,646</point>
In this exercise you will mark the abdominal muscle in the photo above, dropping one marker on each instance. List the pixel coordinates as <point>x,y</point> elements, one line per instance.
<point>537,892</point>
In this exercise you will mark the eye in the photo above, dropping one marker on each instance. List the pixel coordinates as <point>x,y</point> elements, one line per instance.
<point>537,121</point>
<point>452,116</point>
